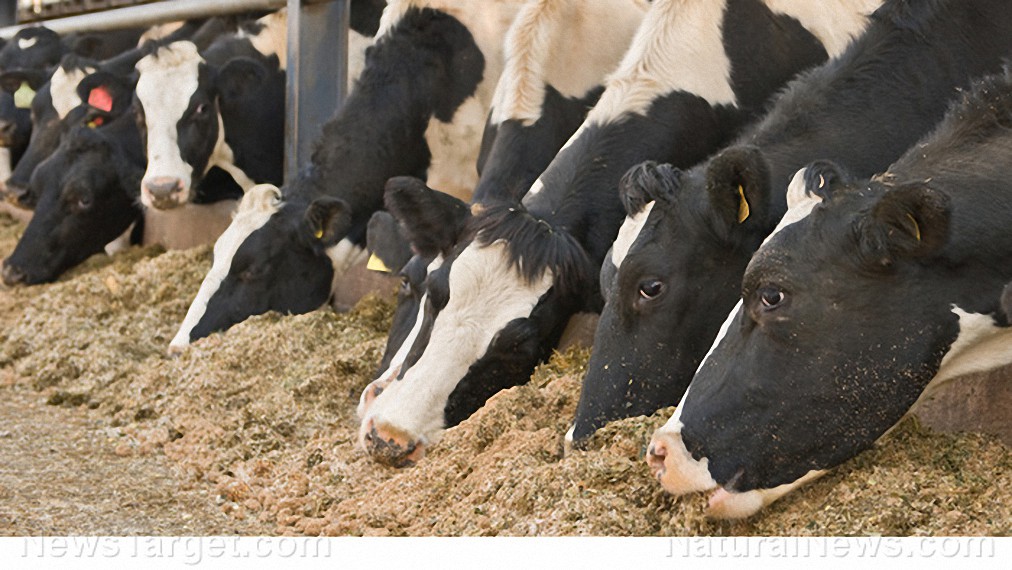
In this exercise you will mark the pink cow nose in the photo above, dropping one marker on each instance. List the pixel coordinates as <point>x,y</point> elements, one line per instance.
<point>391,446</point>
<point>163,190</point>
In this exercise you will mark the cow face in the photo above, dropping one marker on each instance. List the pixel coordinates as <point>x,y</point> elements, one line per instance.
<point>31,48</point>
<point>179,98</point>
<point>495,312</point>
<point>85,202</point>
<point>674,271</point>
<point>845,318</point>
<point>432,222</point>
<point>276,255</point>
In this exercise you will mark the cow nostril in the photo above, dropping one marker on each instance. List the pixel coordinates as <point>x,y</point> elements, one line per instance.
<point>656,455</point>
<point>163,186</point>
<point>12,275</point>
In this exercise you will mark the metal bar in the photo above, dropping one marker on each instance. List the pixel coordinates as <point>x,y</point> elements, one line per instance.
<point>317,74</point>
<point>8,12</point>
<point>148,15</point>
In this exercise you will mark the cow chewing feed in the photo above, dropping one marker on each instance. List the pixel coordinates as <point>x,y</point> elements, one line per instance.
<point>882,291</point>
<point>690,234</point>
<point>418,107</point>
<point>558,54</point>
<point>695,72</point>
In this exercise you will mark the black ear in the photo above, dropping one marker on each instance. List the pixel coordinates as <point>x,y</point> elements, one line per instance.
<point>434,221</point>
<point>386,240</point>
<point>738,185</point>
<point>88,45</point>
<point>239,77</point>
<point>908,221</point>
<point>327,221</point>
<point>822,177</point>
<point>645,183</point>
<point>11,81</point>
<point>108,94</point>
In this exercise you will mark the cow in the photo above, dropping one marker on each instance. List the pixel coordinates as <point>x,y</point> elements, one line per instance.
<point>696,71</point>
<point>689,234</point>
<point>880,291</point>
<point>558,54</point>
<point>418,109</point>
<point>87,188</point>
<point>221,106</point>
<point>57,96</point>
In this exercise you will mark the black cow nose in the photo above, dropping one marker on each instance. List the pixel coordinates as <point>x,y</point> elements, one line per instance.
<point>12,275</point>
<point>19,195</point>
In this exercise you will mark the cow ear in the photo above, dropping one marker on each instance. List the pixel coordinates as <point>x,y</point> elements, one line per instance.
<point>12,81</point>
<point>738,186</point>
<point>434,221</point>
<point>647,182</point>
<point>387,243</point>
<point>239,77</point>
<point>823,177</point>
<point>88,45</point>
<point>108,95</point>
<point>907,222</point>
<point>327,221</point>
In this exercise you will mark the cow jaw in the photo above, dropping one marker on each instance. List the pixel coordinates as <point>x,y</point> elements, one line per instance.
<point>486,293</point>
<point>255,209</point>
<point>168,79</point>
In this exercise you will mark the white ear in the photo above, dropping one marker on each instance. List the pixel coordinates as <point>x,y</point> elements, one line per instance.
<point>260,198</point>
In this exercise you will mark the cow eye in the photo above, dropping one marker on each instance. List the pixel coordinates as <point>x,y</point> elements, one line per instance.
<point>651,288</point>
<point>249,274</point>
<point>405,285</point>
<point>84,202</point>
<point>771,298</point>
<point>201,109</point>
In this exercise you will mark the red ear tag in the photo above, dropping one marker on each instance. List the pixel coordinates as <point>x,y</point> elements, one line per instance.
<point>101,99</point>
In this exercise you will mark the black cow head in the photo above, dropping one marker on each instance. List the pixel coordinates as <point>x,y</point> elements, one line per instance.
<point>35,48</point>
<point>182,100</point>
<point>673,274</point>
<point>87,198</point>
<point>19,88</point>
<point>276,255</point>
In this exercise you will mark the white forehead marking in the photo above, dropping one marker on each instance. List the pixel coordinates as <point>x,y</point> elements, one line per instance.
<point>25,43</point>
<point>168,78</point>
<point>256,207</point>
<point>834,23</point>
<point>485,294</point>
<point>627,234</point>
<point>63,88</point>
<point>679,47</point>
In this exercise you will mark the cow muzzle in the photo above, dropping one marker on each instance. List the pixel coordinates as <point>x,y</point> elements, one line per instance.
<point>12,275</point>
<point>163,192</point>
<point>674,467</point>
<point>389,445</point>
<point>19,196</point>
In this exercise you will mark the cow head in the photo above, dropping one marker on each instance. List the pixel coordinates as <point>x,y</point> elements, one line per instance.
<point>845,317</point>
<point>496,307</point>
<point>673,274</point>
<point>277,255</point>
<point>35,48</point>
<point>180,99</point>
<point>87,197</point>
<point>19,88</point>
<point>433,223</point>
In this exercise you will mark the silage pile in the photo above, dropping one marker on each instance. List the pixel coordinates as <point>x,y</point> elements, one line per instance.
<point>265,414</point>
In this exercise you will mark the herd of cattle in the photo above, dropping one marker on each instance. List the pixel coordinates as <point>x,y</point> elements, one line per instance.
<point>793,216</point>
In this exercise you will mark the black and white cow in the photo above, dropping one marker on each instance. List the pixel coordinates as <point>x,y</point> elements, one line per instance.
<point>56,97</point>
<point>87,189</point>
<point>558,54</point>
<point>220,106</point>
<point>882,290</point>
<point>682,251</point>
<point>695,72</point>
<point>417,109</point>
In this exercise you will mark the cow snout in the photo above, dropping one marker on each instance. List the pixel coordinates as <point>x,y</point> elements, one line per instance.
<point>674,466</point>
<point>369,395</point>
<point>18,195</point>
<point>391,446</point>
<point>164,192</point>
<point>12,275</point>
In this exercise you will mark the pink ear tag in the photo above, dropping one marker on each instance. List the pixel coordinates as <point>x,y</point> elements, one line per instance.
<point>101,99</point>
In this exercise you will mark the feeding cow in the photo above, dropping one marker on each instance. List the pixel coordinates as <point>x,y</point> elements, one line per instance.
<point>695,72</point>
<point>689,235</point>
<point>558,53</point>
<point>418,107</point>
<point>883,290</point>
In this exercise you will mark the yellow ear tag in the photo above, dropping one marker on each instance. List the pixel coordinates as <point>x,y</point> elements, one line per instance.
<point>376,264</point>
<point>743,210</point>
<point>23,96</point>
<point>318,234</point>
<point>917,228</point>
